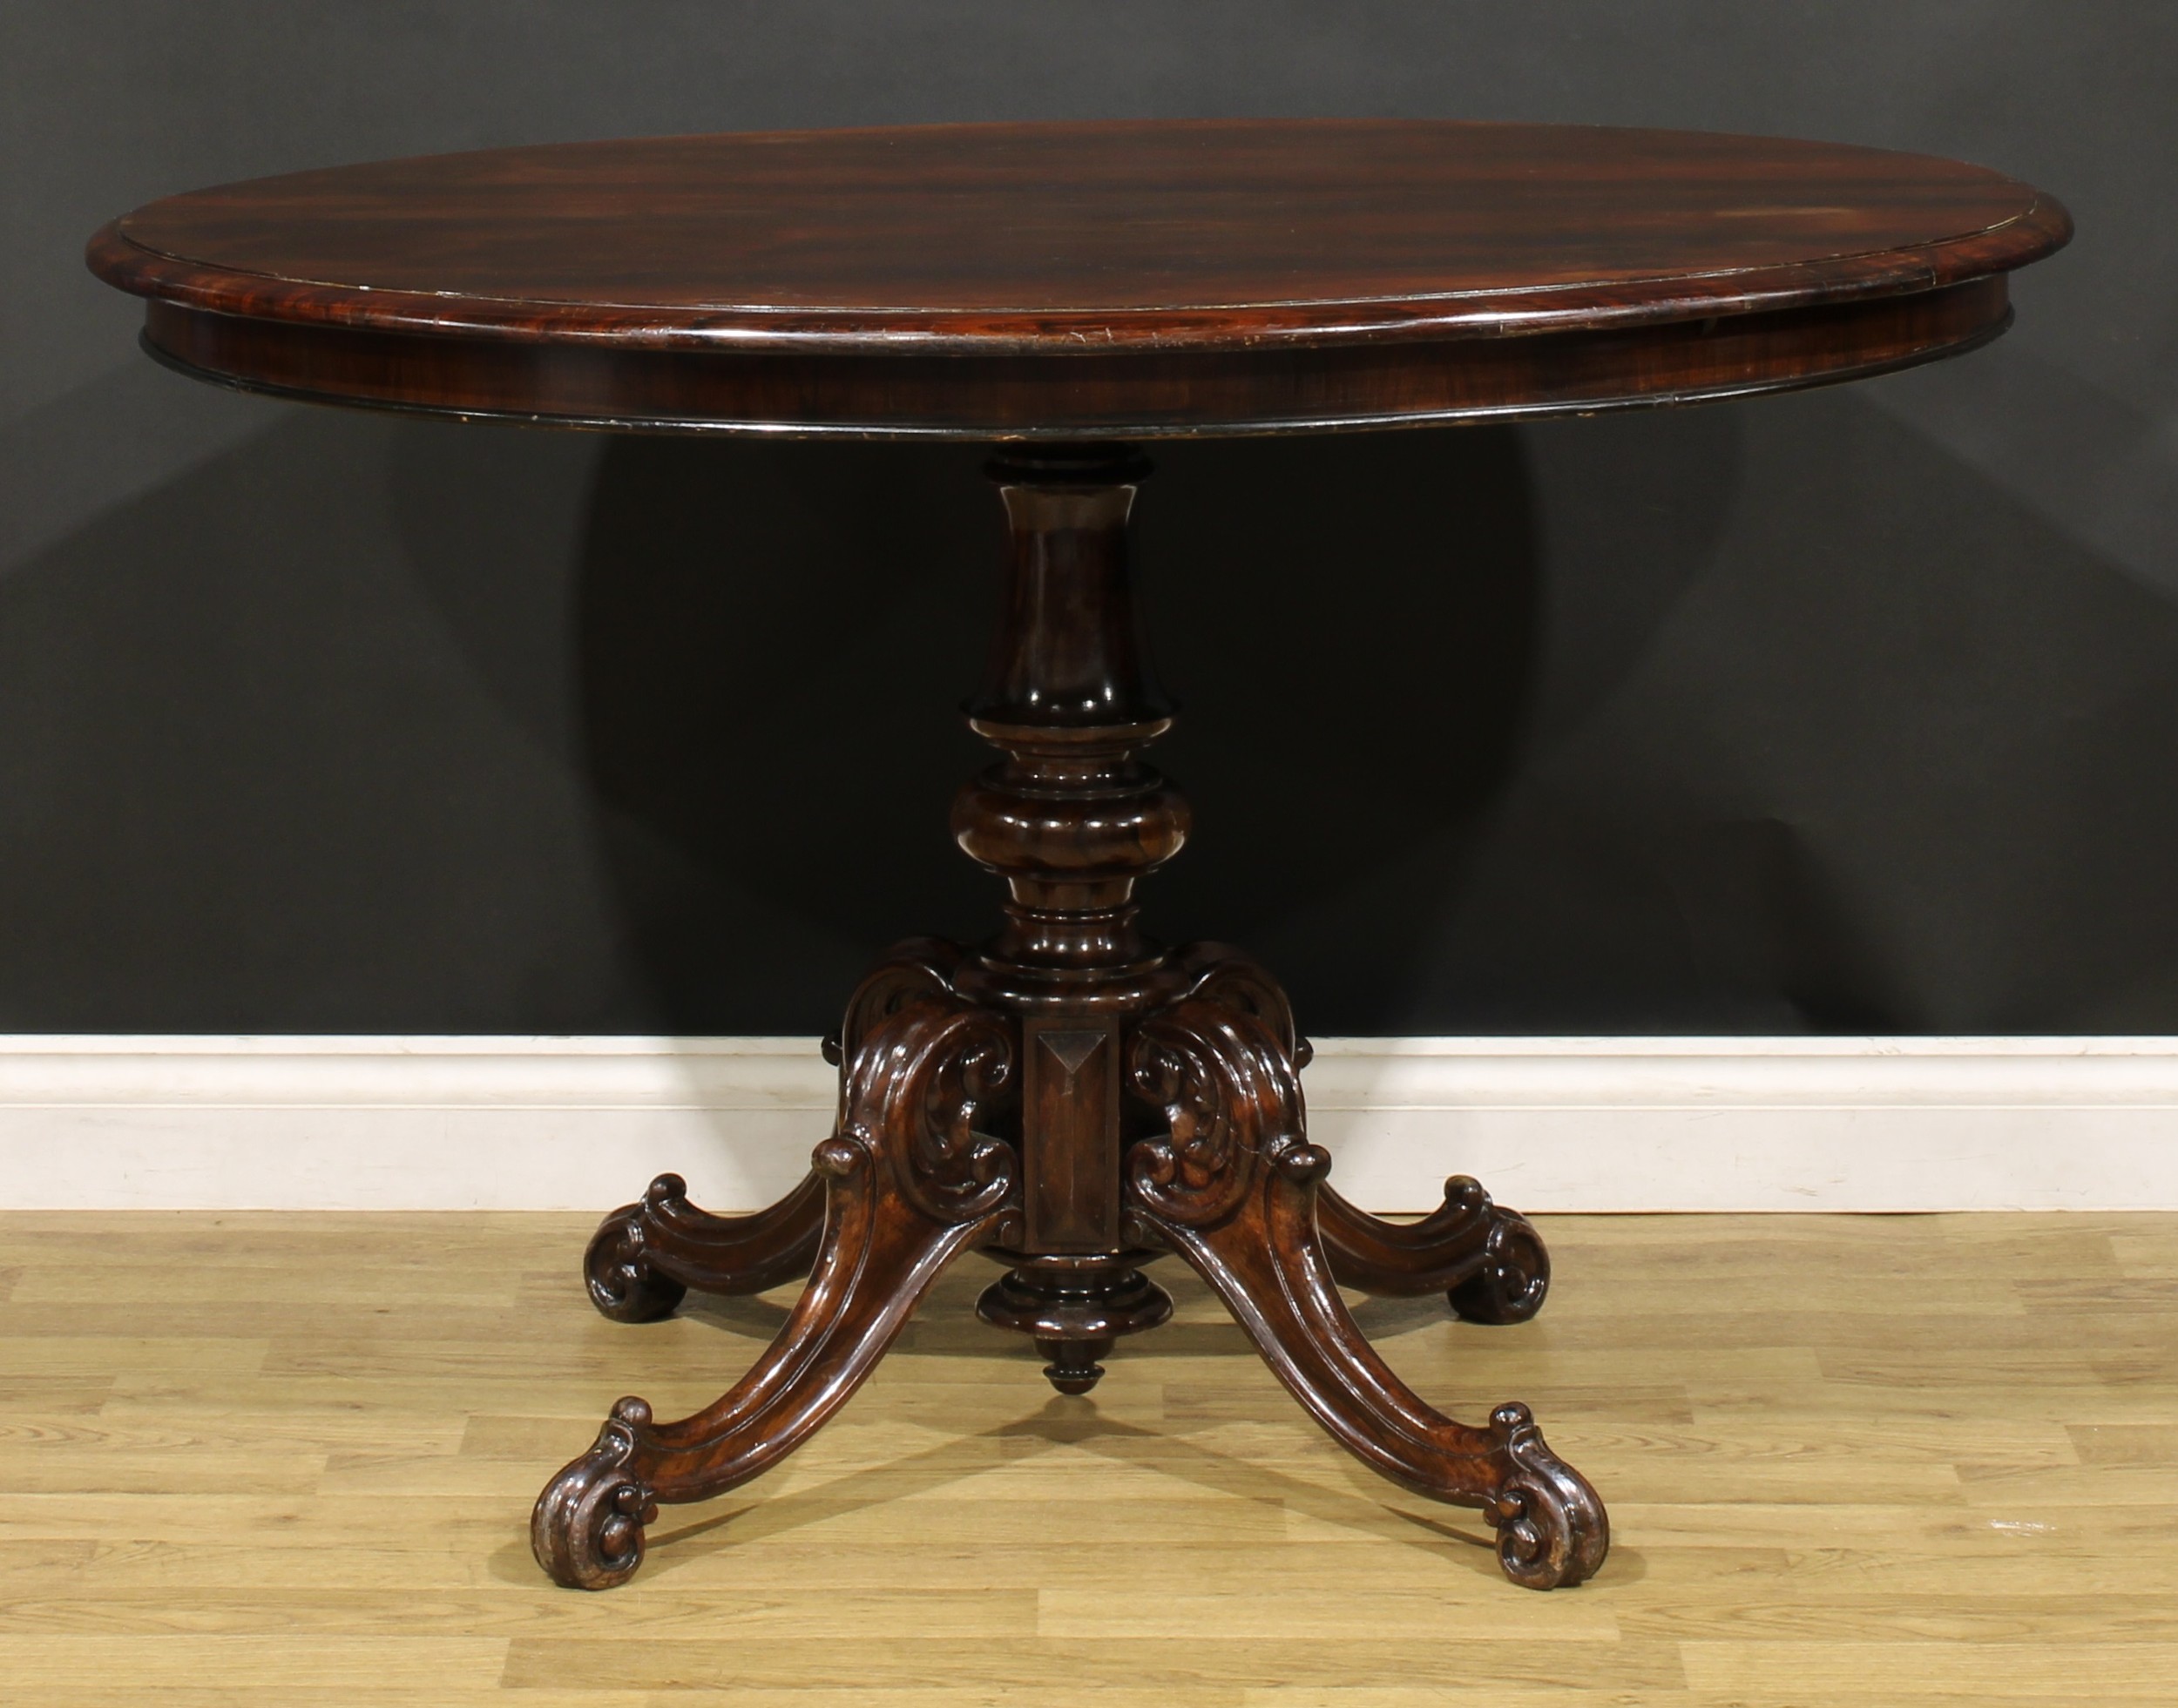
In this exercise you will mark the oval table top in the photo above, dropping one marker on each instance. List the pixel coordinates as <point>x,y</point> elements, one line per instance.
<point>1112,279</point>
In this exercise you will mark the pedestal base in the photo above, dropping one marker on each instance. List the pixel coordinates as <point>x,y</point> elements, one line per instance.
<point>1075,1100</point>
<point>1225,1179</point>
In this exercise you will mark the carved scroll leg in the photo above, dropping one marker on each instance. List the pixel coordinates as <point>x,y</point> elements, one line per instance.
<point>644,1257</point>
<point>878,1258</point>
<point>908,1184</point>
<point>1233,1191</point>
<point>1265,1262</point>
<point>1488,1261</point>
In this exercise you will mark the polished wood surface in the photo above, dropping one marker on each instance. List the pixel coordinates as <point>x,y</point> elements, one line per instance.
<point>1122,279</point>
<point>1211,234</point>
<point>1861,1462</point>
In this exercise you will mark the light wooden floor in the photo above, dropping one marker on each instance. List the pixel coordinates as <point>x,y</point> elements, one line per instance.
<point>290,1458</point>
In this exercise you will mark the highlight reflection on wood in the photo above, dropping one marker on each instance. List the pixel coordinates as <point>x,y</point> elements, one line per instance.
<point>1862,1460</point>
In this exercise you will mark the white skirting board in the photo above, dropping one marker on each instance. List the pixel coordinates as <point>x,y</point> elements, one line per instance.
<point>1547,1124</point>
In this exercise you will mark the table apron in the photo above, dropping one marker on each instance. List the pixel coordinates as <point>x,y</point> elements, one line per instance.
<point>1139,394</point>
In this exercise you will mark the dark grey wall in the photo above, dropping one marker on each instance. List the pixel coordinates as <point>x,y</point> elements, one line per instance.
<point>1852,710</point>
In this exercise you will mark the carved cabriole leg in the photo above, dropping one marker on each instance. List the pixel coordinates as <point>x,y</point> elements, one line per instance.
<point>910,1181</point>
<point>1233,1188</point>
<point>1489,1262</point>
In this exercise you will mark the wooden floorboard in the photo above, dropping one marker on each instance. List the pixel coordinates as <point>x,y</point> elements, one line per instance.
<point>1900,1460</point>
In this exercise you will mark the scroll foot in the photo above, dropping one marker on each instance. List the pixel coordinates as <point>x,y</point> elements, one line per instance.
<point>644,1257</point>
<point>1552,1531</point>
<point>1488,1261</point>
<point>586,1528</point>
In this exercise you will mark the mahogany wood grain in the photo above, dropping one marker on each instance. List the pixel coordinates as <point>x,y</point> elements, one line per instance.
<point>1125,279</point>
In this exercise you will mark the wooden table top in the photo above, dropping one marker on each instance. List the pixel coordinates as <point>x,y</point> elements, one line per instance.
<point>1099,279</point>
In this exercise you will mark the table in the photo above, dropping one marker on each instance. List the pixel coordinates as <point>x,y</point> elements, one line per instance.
<point>1073,1097</point>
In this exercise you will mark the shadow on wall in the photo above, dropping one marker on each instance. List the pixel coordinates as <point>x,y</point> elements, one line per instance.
<point>1895,760</point>
<point>1768,718</point>
<point>774,637</point>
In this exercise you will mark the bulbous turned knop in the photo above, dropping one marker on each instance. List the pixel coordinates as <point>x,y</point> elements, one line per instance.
<point>1131,829</point>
